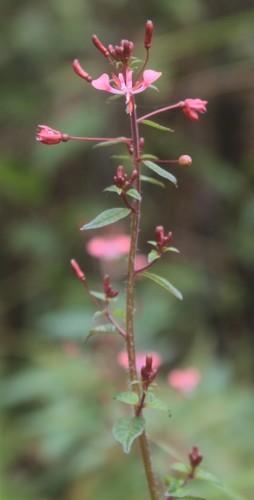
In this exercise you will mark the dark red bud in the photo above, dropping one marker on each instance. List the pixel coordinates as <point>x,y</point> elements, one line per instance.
<point>195,457</point>
<point>148,34</point>
<point>100,46</point>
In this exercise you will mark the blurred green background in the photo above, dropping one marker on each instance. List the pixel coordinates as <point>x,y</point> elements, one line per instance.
<point>57,393</point>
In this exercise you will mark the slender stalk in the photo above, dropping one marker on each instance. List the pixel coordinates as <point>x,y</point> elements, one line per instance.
<point>130,339</point>
<point>179,104</point>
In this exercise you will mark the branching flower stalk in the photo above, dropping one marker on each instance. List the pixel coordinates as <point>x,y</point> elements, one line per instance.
<point>122,82</point>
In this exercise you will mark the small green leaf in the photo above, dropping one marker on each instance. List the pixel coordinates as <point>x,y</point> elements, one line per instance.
<point>156,125</point>
<point>160,171</point>
<point>105,329</point>
<point>152,242</point>
<point>149,157</point>
<point>164,283</point>
<point>152,402</point>
<point>108,217</point>
<point>121,157</point>
<point>127,429</point>
<point>105,144</point>
<point>131,398</point>
<point>152,256</point>
<point>119,312</point>
<point>179,467</point>
<point>113,189</point>
<point>98,295</point>
<point>134,194</point>
<point>171,249</point>
<point>206,476</point>
<point>151,180</point>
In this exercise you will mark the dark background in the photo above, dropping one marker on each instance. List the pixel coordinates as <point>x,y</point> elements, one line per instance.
<point>58,409</point>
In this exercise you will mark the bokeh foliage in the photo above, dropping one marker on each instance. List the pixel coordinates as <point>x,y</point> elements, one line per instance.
<point>57,398</point>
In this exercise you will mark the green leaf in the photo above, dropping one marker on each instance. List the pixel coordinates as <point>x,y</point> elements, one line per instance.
<point>134,194</point>
<point>105,144</point>
<point>206,476</point>
<point>179,467</point>
<point>160,171</point>
<point>149,157</point>
<point>119,312</point>
<point>127,429</point>
<point>171,249</point>
<point>98,295</point>
<point>131,398</point>
<point>105,329</point>
<point>152,402</point>
<point>164,283</point>
<point>108,217</point>
<point>156,125</point>
<point>152,256</point>
<point>113,189</point>
<point>121,157</point>
<point>151,180</point>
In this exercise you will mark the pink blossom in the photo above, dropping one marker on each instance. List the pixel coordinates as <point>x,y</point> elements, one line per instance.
<point>123,84</point>
<point>48,135</point>
<point>109,248</point>
<point>184,381</point>
<point>122,359</point>
<point>192,107</point>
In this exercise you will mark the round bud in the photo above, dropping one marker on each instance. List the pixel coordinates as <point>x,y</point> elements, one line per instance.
<point>185,161</point>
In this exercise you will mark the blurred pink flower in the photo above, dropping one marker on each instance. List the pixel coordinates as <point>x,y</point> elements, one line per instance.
<point>184,381</point>
<point>122,359</point>
<point>109,248</point>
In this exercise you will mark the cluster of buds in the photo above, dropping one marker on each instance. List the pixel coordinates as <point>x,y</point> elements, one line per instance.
<point>120,179</point>
<point>108,290</point>
<point>123,52</point>
<point>148,373</point>
<point>162,240</point>
<point>195,457</point>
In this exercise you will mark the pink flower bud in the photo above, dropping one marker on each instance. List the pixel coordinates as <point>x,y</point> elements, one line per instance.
<point>148,34</point>
<point>49,136</point>
<point>79,273</point>
<point>100,46</point>
<point>195,457</point>
<point>185,161</point>
<point>80,71</point>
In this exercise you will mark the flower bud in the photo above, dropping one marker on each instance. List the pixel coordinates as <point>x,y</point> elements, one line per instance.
<point>80,71</point>
<point>79,273</point>
<point>185,161</point>
<point>100,46</point>
<point>47,135</point>
<point>195,457</point>
<point>148,34</point>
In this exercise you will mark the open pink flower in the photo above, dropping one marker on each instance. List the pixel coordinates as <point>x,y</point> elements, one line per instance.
<point>123,84</point>
<point>192,107</point>
<point>109,248</point>
<point>122,359</point>
<point>184,381</point>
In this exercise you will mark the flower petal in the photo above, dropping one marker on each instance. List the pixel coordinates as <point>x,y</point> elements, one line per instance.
<point>102,83</point>
<point>150,76</point>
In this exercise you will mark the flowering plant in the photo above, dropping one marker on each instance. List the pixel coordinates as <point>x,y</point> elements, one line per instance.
<point>142,368</point>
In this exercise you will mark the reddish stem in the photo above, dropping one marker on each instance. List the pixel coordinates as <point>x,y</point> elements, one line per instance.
<point>179,104</point>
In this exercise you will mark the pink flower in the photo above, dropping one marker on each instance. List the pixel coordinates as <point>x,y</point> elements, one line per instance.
<point>192,107</point>
<point>122,359</point>
<point>48,135</point>
<point>124,86</point>
<point>110,248</point>
<point>184,381</point>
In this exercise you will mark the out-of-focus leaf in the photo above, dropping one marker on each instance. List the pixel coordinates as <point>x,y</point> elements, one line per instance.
<point>103,329</point>
<point>134,194</point>
<point>127,429</point>
<point>152,402</point>
<point>153,255</point>
<point>156,125</point>
<point>113,189</point>
<point>163,282</point>
<point>130,398</point>
<point>151,180</point>
<point>207,476</point>
<point>104,144</point>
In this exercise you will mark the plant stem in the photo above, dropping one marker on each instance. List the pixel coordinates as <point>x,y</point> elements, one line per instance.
<point>130,339</point>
